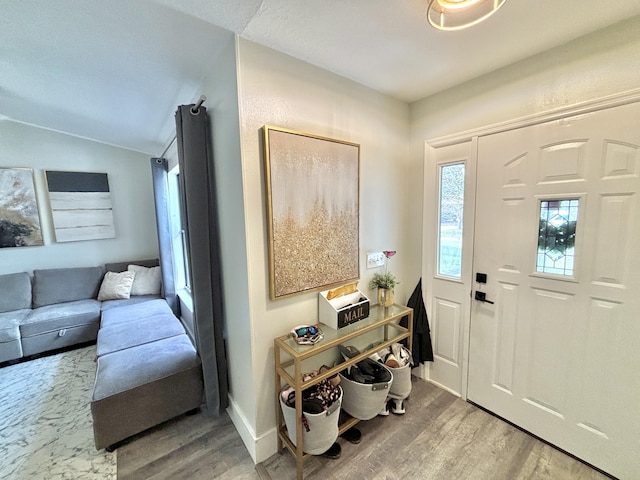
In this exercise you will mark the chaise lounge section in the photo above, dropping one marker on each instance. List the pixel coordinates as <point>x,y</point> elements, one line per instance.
<point>148,371</point>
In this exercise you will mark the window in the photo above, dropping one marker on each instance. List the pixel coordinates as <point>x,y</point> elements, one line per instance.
<point>178,234</point>
<point>557,236</point>
<point>450,216</point>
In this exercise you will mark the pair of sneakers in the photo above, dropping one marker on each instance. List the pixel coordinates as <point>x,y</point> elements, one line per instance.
<point>402,354</point>
<point>395,356</point>
<point>397,407</point>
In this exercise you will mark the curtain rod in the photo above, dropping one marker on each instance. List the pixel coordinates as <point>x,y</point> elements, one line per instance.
<point>169,146</point>
<point>194,110</point>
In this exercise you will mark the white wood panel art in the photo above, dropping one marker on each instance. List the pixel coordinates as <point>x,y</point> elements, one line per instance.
<point>80,205</point>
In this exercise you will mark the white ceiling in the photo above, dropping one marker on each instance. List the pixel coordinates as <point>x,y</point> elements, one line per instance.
<point>115,70</point>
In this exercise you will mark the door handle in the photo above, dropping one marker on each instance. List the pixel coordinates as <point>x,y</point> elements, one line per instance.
<point>482,297</point>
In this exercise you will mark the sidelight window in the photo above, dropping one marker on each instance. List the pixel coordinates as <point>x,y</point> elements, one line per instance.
<point>557,236</point>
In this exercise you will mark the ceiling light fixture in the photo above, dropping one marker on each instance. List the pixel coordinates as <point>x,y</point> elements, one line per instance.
<point>459,14</point>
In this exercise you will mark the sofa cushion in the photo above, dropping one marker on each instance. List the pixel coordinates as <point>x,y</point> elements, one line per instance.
<point>122,266</point>
<point>127,369</point>
<point>56,317</point>
<point>132,313</point>
<point>116,285</point>
<point>148,281</point>
<point>10,351</point>
<point>122,302</point>
<point>16,291</point>
<point>125,335</point>
<point>59,285</point>
<point>141,387</point>
<point>10,324</point>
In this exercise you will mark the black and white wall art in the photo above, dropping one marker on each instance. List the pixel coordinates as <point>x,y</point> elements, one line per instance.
<point>80,205</point>
<point>19,216</point>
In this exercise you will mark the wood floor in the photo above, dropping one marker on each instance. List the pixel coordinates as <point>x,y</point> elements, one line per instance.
<point>440,437</point>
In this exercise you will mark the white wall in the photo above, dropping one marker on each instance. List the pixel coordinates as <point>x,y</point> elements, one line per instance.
<point>591,67</point>
<point>129,175</point>
<point>278,90</point>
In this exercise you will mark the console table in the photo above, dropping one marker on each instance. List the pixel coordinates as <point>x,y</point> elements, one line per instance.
<point>382,324</point>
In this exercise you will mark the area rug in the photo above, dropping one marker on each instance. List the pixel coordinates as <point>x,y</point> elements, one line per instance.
<point>46,429</point>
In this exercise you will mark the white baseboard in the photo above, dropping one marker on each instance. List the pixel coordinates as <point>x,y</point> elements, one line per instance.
<point>260,448</point>
<point>422,371</point>
<point>444,387</point>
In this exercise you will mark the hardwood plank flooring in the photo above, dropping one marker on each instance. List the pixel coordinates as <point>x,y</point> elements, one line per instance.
<point>188,447</point>
<point>441,437</point>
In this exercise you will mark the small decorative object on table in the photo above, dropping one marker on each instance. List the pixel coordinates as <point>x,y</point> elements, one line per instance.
<point>385,282</point>
<point>306,334</point>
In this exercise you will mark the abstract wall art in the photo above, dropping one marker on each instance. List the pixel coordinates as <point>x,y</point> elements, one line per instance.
<point>19,216</point>
<point>80,205</point>
<point>312,211</point>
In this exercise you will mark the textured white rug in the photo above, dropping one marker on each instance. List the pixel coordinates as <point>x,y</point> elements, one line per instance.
<point>45,420</point>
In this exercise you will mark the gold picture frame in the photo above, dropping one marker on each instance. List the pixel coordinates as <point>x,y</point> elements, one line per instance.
<point>313,208</point>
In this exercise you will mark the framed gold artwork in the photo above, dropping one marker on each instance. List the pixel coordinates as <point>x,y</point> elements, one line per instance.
<point>312,186</point>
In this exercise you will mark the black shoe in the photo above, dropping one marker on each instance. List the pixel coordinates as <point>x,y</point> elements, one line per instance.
<point>334,451</point>
<point>357,376</point>
<point>353,435</point>
<point>348,351</point>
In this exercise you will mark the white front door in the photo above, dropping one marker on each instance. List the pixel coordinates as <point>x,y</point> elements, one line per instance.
<point>557,233</point>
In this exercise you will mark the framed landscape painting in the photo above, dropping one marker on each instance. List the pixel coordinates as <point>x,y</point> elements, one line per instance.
<point>19,215</point>
<point>80,205</point>
<point>312,186</point>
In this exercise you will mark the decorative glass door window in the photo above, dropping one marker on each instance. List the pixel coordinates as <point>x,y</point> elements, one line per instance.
<point>450,215</point>
<point>557,236</point>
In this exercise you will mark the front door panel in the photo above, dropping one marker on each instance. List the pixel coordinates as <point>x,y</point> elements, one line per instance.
<point>557,351</point>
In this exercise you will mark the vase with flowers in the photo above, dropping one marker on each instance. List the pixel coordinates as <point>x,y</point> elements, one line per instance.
<point>385,282</point>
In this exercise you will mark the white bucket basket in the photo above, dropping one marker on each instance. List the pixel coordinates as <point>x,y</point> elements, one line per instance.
<point>401,385</point>
<point>323,427</point>
<point>364,401</point>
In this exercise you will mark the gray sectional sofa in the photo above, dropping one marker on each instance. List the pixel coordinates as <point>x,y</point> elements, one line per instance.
<point>147,369</point>
<point>54,308</point>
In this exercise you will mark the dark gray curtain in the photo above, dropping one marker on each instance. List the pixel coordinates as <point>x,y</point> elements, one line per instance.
<point>201,224</point>
<point>161,193</point>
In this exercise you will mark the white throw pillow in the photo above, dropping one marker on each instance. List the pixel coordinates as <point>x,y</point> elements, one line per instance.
<point>148,281</point>
<point>116,285</point>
